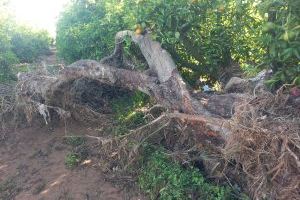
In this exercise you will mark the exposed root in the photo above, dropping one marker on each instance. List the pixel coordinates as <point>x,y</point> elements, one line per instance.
<point>262,145</point>
<point>261,140</point>
<point>185,137</point>
<point>7,105</point>
<point>265,142</point>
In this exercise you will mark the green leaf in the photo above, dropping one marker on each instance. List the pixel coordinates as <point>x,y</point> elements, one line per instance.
<point>296,53</point>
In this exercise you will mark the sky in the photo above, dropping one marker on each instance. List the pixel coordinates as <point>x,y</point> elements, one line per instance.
<point>40,14</point>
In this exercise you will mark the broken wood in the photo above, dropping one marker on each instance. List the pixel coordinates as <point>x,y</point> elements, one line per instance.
<point>161,81</point>
<point>165,84</point>
<point>204,116</point>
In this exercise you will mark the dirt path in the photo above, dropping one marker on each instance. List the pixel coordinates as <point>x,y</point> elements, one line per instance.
<point>52,58</point>
<point>32,167</point>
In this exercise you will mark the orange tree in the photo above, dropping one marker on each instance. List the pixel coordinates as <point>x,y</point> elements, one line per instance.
<point>206,38</point>
<point>281,38</point>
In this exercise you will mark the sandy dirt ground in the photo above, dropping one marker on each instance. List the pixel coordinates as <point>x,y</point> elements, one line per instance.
<point>32,167</point>
<point>32,164</point>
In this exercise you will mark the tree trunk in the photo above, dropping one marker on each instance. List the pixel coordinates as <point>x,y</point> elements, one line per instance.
<point>244,136</point>
<point>164,83</point>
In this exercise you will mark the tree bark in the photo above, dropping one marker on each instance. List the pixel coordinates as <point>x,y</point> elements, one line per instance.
<point>203,114</point>
<point>165,84</point>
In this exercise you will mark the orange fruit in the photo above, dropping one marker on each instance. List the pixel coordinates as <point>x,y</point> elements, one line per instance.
<point>138,31</point>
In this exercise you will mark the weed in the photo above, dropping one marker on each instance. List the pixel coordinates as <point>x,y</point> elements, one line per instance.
<point>79,151</point>
<point>74,140</point>
<point>164,179</point>
<point>82,151</point>
<point>9,189</point>
<point>127,112</point>
<point>72,160</point>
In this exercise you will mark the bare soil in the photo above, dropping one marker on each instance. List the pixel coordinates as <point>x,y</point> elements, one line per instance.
<point>32,166</point>
<point>32,163</point>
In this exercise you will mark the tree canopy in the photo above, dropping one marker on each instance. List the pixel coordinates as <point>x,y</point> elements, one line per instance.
<point>212,40</point>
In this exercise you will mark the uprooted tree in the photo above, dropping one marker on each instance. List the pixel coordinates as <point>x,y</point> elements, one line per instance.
<point>256,141</point>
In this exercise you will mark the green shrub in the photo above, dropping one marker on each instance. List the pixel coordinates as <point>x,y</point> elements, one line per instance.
<point>164,179</point>
<point>79,151</point>
<point>281,38</point>
<point>127,111</point>
<point>28,45</point>
<point>203,37</point>
<point>7,57</point>
<point>72,160</point>
<point>18,44</point>
<point>74,140</point>
<point>86,29</point>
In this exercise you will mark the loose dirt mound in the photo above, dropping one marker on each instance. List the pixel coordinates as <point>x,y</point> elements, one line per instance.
<point>32,167</point>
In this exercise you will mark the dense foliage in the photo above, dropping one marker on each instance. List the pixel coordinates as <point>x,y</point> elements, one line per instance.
<point>208,39</point>
<point>281,38</point>
<point>86,30</point>
<point>18,44</point>
<point>28,44</point>
<point>164,179</point>
<point>7,57</point>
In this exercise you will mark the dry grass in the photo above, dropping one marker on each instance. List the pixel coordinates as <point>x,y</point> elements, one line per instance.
<point>7,102</point>
<point>265,145</point>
